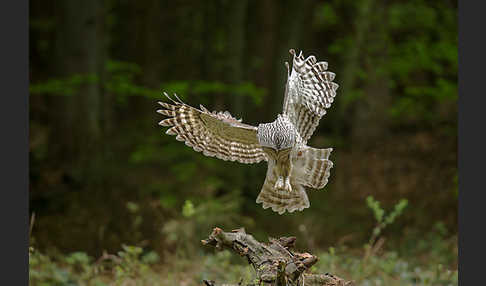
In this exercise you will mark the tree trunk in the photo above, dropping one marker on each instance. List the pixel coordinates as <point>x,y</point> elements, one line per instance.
<point>151,35</point>
<point>235,29</point>
<point>291,33</point>
<point>352,64</point>
<point>369,122</point>
<point>263,41</point>
<point>76,128</point>
<point>236,48</point>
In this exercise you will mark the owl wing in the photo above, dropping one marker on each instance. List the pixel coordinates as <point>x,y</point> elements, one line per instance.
<point>215,134</point>
<point>311,167</point>
<point>308,92</point>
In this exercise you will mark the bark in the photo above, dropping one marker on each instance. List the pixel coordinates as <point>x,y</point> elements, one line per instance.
<point>275,263</point>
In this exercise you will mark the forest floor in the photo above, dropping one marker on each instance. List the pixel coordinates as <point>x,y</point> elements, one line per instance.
<point>437,265</point>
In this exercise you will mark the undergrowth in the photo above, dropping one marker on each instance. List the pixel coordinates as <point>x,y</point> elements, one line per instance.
<point>430,260</point>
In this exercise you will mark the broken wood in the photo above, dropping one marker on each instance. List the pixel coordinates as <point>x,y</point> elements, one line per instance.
<point>275,263</point>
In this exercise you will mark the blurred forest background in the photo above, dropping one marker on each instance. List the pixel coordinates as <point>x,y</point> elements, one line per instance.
<point>103,174</point>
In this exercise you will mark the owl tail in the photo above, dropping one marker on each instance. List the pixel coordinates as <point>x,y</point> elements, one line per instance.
<point>281,200</point>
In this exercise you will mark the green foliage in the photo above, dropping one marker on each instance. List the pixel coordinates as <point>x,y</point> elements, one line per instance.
<point>424,63</point>
<point>245,89</point>
<point>130,265</point>
<point>387,268</point>
<point>63,86</point>
<point>188,209</point>
<point>411,45</point>
<point>225,266</point>
<point>132,207</point>
<point>197,218</point>
<point>78,268</point>
<point>379,213</point>
<point>121,81</point>
<point>325,15</point>
<point>42,271</point>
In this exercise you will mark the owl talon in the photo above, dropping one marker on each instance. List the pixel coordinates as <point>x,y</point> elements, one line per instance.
<point>288,186</point>
<point>279,184</point>
<point>282,184</point>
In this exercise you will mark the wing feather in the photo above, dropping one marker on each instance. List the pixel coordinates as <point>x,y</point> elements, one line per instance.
<point>215,134</point>
<point>309,91</point>
<point>312,167</point>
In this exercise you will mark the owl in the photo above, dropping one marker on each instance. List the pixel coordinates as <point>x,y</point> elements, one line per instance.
<point>292,165</point>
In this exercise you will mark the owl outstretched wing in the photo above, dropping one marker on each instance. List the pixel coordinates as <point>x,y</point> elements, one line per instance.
<point>309,91</point>
<point>215,134</point>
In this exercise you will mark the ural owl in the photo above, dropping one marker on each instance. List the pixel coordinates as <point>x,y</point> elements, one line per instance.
<point>292,165</point>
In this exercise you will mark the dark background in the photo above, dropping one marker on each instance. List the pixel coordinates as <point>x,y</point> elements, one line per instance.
<point>103,173</point>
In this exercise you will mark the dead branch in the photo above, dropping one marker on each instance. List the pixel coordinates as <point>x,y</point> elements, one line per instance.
<point>275,262</point>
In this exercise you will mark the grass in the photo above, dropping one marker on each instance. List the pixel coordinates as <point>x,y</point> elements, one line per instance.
<point>132,267</point>
<point>426,259</point>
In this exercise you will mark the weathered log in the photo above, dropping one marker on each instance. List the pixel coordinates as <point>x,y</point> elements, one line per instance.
<point>275,263</point>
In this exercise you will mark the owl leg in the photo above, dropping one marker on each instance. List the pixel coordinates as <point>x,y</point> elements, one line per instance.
<point>279,184</point>
<point>288,186</point>
<point>283,184</point>
<point>283,170</point>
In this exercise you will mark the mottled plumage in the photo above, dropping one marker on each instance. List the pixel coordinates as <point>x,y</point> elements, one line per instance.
<point>292,165</point>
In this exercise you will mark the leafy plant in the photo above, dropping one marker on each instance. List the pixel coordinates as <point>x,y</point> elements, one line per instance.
<point>383,220</point>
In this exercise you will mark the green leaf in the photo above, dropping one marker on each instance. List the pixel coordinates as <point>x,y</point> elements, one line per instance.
<point>188,209</point>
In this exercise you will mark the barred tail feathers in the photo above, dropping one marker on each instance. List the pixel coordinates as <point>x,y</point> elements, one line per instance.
<point>282,200</point>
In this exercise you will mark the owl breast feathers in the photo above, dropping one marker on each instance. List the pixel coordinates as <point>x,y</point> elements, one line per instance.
<point>292,165</point>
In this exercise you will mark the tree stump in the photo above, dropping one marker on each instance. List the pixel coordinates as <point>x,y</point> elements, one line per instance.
<point>275,263</point>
